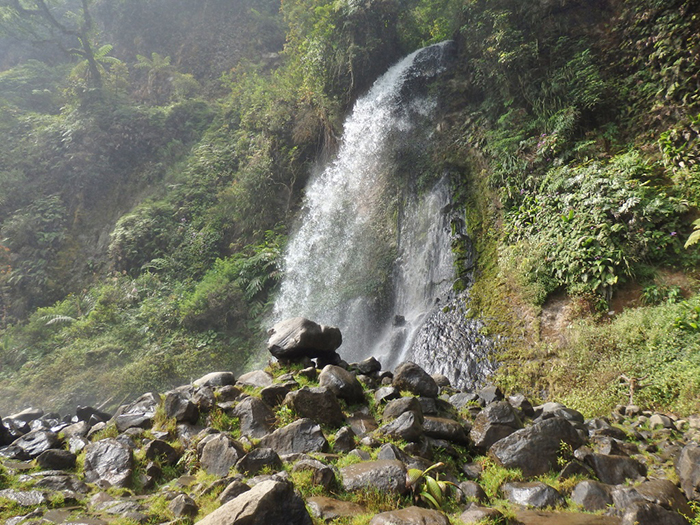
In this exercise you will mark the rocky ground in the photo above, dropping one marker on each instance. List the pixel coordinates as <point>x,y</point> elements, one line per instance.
<point>346,444</point>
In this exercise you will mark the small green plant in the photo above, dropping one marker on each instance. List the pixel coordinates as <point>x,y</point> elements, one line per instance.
<point>689,320</point>
<point>428,489</point>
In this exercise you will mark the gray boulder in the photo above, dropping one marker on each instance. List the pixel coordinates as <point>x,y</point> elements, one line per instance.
<point>109,461</point>
<point>183,506</point>
<point>410,516</point>
<point>24,498</point>
<point>592,495</point>
<point>178,406</point>
<point>256,379</point>
<point>688,470</point>
<point>55,459</point>
<point>534,450</point>
<point>256,418</point>
<point>302,436</point>
<point>298,338</point>
<point>615,470</point>
<point>444,428</point>
<point>328,509</point>
<point>219,454</point>
<point>407,427</point>
<point>410,377</point>
<point>160,450</point>
<point>342,383</point>
<point>257,459</point>
<point>496,421</point>
<point>395,408</point>
<point>317,403</point>
<point>36,442</point>
<point>274,395</point>
<point>535,494</point>
<point>322,474</point>
<point>268,502</point>
<point>651,514</point>
<point>387,476</point>
<point>344,440</point>
<point>216,379</point>
<point>233,490</point>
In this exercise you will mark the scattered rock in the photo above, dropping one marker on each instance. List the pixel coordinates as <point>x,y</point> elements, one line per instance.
<point>410,516</point>
<point>412,378</point>
<point>407,427</point>
<point>24,498</point>
<point>342,383</point>
<point>256,418</point>
<point>688,469</point>
<point>183,506</point>
<point>256,379</point>
<point>323,475</point>
<point>302,436</point>
<point>329,509</point>
<point>651,514</point>
<point>257,459</point>
<point>220,453</point>
<point>383,475</point>
<point>298,337</point>
<point>476,514</point>
<point>317,403</point>
<point>55,459</point>
<point>615,470</point>
<point>110,461</point>
<point>216,379</point>
<point>182,409</point>
<point>537,495</point>
<point>36,442</point>
<point>495,422</point>
<point>233,490</point>
<point>592,495</point>
<point>266,503</point>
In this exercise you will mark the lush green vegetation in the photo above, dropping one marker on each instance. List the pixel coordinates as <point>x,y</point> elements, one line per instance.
<point>149,176</point>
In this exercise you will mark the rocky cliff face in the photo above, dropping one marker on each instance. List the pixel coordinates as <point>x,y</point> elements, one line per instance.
<point>295,444</point>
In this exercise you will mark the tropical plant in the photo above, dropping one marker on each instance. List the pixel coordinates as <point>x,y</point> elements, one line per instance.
<point>426,488</point>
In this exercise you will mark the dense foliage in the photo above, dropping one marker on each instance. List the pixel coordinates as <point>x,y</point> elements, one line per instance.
<point>154,155</point>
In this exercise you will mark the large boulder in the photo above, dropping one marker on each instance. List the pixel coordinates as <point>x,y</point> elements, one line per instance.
<point>406,427</point>
<point>496,421</point>
<point>257,459</point>
<point>220,453</point>
<point>329,509</point>
<point>256,418</point>
<point>534,450</point>
<point>342,383</point>
<point>535,494</point>
<point>302,436</point>
<point>592,495</point>
<point>317,403</point>
<point>410,377</point>
<point>216,379</point>
<point>178,406</point>
<point>268,502</point>
<point>688,469</point>
<point>410,516</point>
<point>651,514</point>
<point>36,442</point>
<point>297,338</point>
<point>615,470</point>
<point>109,461</point>
<point>388,476</point>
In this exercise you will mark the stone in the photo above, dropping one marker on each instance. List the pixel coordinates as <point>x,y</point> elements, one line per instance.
<point>391,451</point>
<point>400,406</point>
<point>268,502</point>
<point>158,449</point>
<point>444,428</point>
<point>539,517</point>
<point>6,436</point>
<point>490,394</point>
<point>62,482</point>
<point>534,494</point>
<point>520,402</point>
<point>615,470</point>
<point>216,379</point>
<point>464,399</point>
<point>592,495</point>
<point>385,476</point>
<point>24,498</point>
<point>660,421</point>
<point>362,423</point>
<point>329,509</point>
<point>256,379</point>
<point>410,516</point>
<point>183,506</point>
<point>650,514</point>
<point>91,415</point>
<point>256,418</point>
<point>367,367</point>
<point>55,459</point>
<point>342,383</point>
<point>441,380</point>
<point>27,415</point>
<point>688,470</point>
<point>257,459</point>
<point>178,406</point>
<point>535,449</point>
<point>109,461</point>
<point>665,493</point>
<point>37,441</point>
<point>298,337</point>
<point>410,377</point>
<point>406,427</point>
<point>576,468</point>
<point>550,410</point>
<point>274,395</point>
<point>495,422</point>
<point>302,436</point>
<point>477,515</point>
<point>322,474</point>
<point>317,403</point>
<point>471,490</point>
<point>344,440</point>
<point>219,454</point>
<point>127,421</point>
<point>233,490</point>
<point>386,393</point>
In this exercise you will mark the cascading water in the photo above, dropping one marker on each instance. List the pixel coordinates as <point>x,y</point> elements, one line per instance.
<point>372,255</point>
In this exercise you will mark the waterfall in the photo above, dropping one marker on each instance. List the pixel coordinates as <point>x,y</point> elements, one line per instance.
<point>372,254</point>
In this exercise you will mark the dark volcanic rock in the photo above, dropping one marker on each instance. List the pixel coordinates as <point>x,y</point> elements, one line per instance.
<point>256,418</point>
<point>322,474</point>
<point>342,383</point>
<point>36,442</point>
<point>5,436</point>
<point>274,395</point>
<point>412,378</point>
<point>302,436</point>
<point>592,495</point>
<point>257,459</point>
<point>298,337</point>
<point>268,502</point>
<point>216,379</point>
<point>534,449</point>
<point>535,494</point>
<point>318,403</point>
<point>159,449</point>
<point>395,408</point>
<point>328,509</point>
<point>344,440</point>
<point>651,514</point>
<point>108,460</point>
<point>55,459</point>
<point>443,428</point>
<point>410,516</point>
<point>177,405</point>
<point>688,469</point>
<point>220,453</point>
<point>233,490</point>
<point>385,476</point>
<point>615,470</point>
<point>183,506</point>
<point>495,422</point>
<point>406,426</point>
<point>91,414</point>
